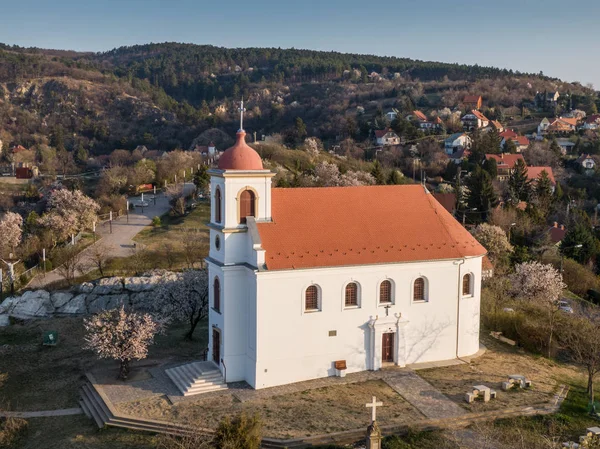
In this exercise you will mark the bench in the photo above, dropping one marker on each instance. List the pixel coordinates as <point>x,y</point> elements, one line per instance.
<point>486,393</point>
<point>516,380</point>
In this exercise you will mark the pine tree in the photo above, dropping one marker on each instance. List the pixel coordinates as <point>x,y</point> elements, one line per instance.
<point>519,186</point>
<point>482,196</point>
<point>578,234</point>
<point>510,146</point>
<point>378,173</point>
<point>395,178</point>
<point>491,166</point>
<point>543,191</point>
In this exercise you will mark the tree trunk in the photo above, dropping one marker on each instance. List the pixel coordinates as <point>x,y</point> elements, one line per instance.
<point>190,334</point>
<point>591,387</point>
<point>124,369</point>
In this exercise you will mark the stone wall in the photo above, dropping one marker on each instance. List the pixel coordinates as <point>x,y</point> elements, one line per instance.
<point>86,298</point>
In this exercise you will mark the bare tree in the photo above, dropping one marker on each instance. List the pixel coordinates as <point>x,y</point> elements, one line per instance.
<point>121,335</point>
<point>99,254</point>
<point>581,337</point>
<point>184,299</point>
<point>169,254</point>
<point>69,261</point>
<point>193,250</point>
<point>139,260</point>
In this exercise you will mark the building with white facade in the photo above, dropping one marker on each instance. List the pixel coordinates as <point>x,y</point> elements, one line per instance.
<point>303,278</point>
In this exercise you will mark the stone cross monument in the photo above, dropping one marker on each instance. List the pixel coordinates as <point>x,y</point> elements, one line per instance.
<point>373,431</point>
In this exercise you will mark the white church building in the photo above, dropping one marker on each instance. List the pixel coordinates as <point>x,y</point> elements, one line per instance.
<point>306,279</point>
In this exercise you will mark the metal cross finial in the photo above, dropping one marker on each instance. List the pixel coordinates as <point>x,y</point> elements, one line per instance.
<point>242,109</point>
<point>374,404</point>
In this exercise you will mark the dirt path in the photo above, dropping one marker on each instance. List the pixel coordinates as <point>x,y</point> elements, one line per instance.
<point>119,243</point>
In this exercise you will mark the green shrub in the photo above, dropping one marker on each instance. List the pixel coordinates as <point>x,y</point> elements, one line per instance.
<point>11,431</point>
<point>156,222</point>
<point>241,432</point>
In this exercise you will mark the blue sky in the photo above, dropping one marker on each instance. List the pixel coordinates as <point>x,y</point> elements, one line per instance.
<point>554,36</point>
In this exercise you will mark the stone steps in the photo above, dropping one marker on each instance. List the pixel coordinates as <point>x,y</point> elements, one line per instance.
<point>196,378</point>
<point>94,407</point>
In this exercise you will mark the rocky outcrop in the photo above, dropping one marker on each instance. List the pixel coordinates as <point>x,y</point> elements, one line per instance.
<point>89,297</point>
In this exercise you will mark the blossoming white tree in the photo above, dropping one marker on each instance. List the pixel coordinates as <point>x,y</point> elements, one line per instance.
<point>542,284</point>
<point>327,174</point>
<point>184,299</point>
<point>11,232</point>
<point>121,335</point>
<point>494,239</point>
<point>69,212</point>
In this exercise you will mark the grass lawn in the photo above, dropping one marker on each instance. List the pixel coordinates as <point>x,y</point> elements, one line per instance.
<point>35,377</point>
<point>493,368</point>
<point>312,412</point>
<point>76,432</point>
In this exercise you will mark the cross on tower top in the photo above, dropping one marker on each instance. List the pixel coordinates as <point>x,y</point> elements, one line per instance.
<point>242,109</point>
<point>373,405</point>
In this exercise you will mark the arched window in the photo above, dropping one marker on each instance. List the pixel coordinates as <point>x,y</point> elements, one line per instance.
<point>385,292</point>
<point>217,294</point>
<point>218,206</point>
<point>351,299</point>
<point>247,205</point>
<point>311,298</point>
<point>419,290</point>
<point>466,286</point>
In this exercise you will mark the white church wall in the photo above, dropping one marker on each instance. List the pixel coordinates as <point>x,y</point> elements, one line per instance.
<point>470,307</point>
<point>295,345</point>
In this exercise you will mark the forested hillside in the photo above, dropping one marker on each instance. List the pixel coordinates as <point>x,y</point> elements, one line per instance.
<point>164,95</point>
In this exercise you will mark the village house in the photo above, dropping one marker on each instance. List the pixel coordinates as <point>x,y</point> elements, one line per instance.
<point>592,122</point>
<point>534,173</point>
<point>521,142</point>
<point>456,142</point>
<point>424,123</point>
<point>495,124</point>
<point>566,146</point>
<point>289,306</point>
<point>460,156</point>
<point>586,162</point>
<point>505,163</point>
<point>474,120</point>
<point>391,115</point>
<point>472,102</point>
<point>386,137</point>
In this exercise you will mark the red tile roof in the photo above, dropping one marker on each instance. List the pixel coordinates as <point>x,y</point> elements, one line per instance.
<point>486,263</point>
<point>594,118</point>
<point>496,124</point>
<point>533,173</point>
<point>508,133</point>
<point>240,156</point>
<point>341,226</point>
<point>420,115</point>
<point>479,115</point>
<point>382,132</point>
<point>505,160</point>
<point>519,140</point>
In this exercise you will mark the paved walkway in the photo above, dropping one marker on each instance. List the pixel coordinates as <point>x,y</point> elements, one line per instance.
<point>41,414</point>
<point>119,243</point>
<point>422,395</point>
<point>153,382</point>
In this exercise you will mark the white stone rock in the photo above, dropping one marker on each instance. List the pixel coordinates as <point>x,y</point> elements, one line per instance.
<point>7,304</point>
<point>59,299</point>
<point>141,284</point>
<point>108,286</point>
<point>86,287</point>
<point>4,320</point>
<point>75,306</point>
<point>32,304</point>
<point>106,302</point>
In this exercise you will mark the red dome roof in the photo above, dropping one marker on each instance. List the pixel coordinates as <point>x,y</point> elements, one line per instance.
<point>240,156</point>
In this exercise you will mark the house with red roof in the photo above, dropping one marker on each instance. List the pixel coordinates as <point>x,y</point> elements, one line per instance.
<point>505,163</point>
<point>472,102</point>
<point>534,173</point>
<point>307,283</point>
<point>592,122</point>
<point>586,161</point>
<point>474,120</point>
<point>521,142</point>
<point>495,124</point>
<point>386,137</point>
<point>425,123</point>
